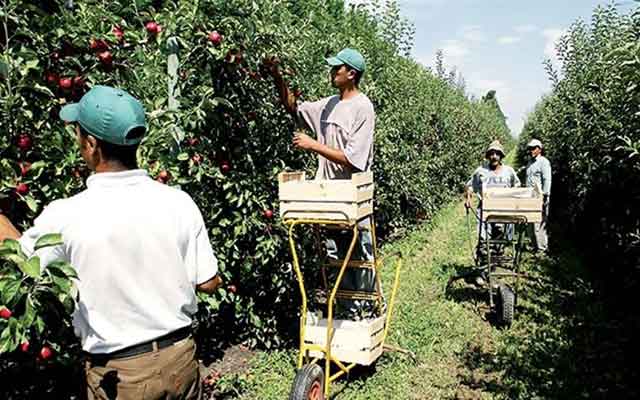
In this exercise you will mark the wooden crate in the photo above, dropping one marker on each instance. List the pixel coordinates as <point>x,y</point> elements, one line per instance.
<point>353,341</point>
<point>338,199</point>
<point>512,203</point>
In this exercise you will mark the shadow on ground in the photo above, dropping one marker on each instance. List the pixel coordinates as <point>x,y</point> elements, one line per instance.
<point>566,341</point>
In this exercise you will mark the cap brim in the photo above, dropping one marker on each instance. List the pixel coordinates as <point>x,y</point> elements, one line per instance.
<point>334,61</point>
<point>69,113</point>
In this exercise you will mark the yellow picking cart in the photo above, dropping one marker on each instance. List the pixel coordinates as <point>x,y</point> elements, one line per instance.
<point>325,340</point>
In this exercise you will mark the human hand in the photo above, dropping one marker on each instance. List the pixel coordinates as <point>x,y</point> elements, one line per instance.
<point>271,66</point>
<point>467,199</point>
<point>303,141</point>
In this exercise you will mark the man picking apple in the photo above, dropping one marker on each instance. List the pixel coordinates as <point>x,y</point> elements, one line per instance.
<point>343,125</point>
<point>141,251</point>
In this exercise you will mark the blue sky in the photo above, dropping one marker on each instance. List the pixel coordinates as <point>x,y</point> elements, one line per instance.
<point>497,44</point>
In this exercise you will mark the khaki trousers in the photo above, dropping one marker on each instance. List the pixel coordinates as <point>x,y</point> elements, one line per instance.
<point>169,373</point>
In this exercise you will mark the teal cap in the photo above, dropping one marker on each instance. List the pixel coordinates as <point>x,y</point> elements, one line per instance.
<point>351,57</point>
<point>109,114</point>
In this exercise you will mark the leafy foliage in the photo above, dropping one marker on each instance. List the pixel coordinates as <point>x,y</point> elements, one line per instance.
<point>590,125</point>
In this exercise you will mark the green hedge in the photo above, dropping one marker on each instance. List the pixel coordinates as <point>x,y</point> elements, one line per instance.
<point>590,125</point>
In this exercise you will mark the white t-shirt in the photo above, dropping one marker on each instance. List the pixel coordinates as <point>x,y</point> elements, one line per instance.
<point>346,125</point>
<point>139,248</point>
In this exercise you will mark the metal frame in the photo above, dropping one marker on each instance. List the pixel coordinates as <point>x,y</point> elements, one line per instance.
<point>489,269</point>
<point>303,356</point>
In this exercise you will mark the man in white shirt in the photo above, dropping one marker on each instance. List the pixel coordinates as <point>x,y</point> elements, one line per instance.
<point>539,174</point>
<point>140,250</point>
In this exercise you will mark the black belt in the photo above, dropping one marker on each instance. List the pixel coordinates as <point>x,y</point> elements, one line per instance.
<point>146,347</point>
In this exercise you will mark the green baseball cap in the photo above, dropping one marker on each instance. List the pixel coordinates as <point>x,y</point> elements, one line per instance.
<point>351,57</point>
<point>109,114</point>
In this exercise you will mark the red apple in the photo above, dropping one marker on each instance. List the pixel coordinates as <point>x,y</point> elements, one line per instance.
<point>268,214</point>
<point>78,81</point>
<point>24,142</point>
<point>105,58</point>
<point>232,288</point>
<point>65,83</point>
<point>215,38</point>
<point>196,158</point>
<point>193,141</point>
<point>22,189</point>
<point>118,32</point>
<point>5,313</point>
<point>52,78</point>
<point>251,115</point>
<point>24,168</point>
<point>24,346</point>
<point>225,167</point>
<point>98,45</point>
<point>46,352</point>
<point>153,28</point>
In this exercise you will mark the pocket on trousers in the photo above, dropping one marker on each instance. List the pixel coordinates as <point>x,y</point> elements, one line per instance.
<point>106,383</point>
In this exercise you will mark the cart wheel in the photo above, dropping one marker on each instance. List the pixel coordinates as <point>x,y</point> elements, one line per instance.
<point>308,383</point>
<point>505,306</point>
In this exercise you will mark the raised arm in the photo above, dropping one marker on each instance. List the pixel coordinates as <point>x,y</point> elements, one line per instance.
<point>286,96</point>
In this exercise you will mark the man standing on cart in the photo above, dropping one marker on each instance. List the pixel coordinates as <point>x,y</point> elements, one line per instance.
<point>493,174</point>
<point>539,174</point>
<point>343,125</point>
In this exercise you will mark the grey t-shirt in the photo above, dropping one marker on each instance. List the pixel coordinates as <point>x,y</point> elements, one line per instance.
<point>539,173</point>
<point>345,125</point>
<point>505,177</point>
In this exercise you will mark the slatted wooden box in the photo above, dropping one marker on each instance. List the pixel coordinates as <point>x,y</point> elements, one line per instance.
<point>338,199</point>
<point>512,203</point>
<point>353,341</point>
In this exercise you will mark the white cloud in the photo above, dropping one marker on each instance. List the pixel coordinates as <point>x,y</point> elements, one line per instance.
<point>473,33</point>
<point>454,50</point>
<point>529,28</point>
<point>502,88</point>
<point>508,39</point>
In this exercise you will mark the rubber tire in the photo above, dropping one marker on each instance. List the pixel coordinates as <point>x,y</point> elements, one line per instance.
<point>306,381</point>
<point>505,307</point>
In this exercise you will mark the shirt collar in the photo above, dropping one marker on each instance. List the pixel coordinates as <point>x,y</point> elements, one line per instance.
<point>105,179</point>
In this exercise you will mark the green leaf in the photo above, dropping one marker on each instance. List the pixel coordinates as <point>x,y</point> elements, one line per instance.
<point>32,203</point>
<point>183,156</point>
<point>39,324</point>
<point>50,239</point>
<point>64,267</point>
<point>10,291</point>
<point>12,245</point>
<point>31,267</point>
<point>29,312</point>
<point>7,342</point>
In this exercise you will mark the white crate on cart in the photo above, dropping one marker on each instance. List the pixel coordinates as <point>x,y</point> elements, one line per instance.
<point>353,341</point>
<point>336,199</point>
<point>512,203</point>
